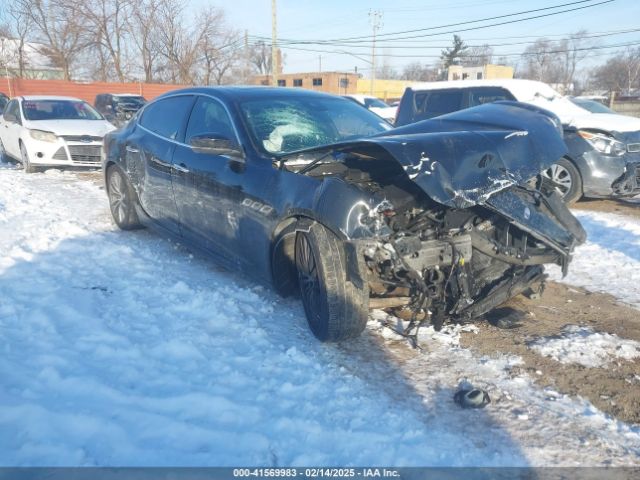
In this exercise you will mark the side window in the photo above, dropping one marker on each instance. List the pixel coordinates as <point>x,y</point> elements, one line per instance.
<point>12,108</point>
<point>478,96</point>
<point>167,117</point>
<point>438,102</point>
<point>209,117</point>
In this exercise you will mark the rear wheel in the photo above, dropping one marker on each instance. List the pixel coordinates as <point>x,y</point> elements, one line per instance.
<point>335,308</point>
<point>24,159</point>
<point>565,178</point>
<point>122,199</point>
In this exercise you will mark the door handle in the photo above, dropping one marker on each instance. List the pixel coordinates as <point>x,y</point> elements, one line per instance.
<point>131,149</point>
<point>181,168</point>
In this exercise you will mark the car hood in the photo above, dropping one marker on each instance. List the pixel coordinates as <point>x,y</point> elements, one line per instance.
<point>94,128</point>
<point>388,112</point>
<point>609,122</point>
<point>463,158</point>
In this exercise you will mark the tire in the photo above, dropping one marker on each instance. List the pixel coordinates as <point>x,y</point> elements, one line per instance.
<point>24,159</point>
<point>122,200</point>
<point>565,178</point>
<point>336,309</point>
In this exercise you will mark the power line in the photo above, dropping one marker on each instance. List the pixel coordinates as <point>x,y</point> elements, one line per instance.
<point>367,38</point>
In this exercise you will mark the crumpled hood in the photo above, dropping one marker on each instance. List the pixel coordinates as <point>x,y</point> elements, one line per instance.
<point>463,158</point>
<point>94,128</point>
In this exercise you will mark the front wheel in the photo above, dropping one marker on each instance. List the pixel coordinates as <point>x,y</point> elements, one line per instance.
<point>24,159</point>
<point>335,308</point>
<point>122,199</point>
<point>564,177</point>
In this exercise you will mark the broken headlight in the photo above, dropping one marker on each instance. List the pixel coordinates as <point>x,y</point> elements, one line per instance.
<point>604,143</point>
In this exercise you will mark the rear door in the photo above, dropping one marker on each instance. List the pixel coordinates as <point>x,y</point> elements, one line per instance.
<point>149,153</point>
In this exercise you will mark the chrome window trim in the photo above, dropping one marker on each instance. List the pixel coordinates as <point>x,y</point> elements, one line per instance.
<point>194,94</point>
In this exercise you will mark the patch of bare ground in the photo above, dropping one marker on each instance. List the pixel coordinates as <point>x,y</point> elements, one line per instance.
<point>629,207</point>
<point>614,389</point>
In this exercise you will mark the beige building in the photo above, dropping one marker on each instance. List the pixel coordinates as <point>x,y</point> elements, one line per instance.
<point>331,82</point>
<point>485,72</point>
<point>385,89</point>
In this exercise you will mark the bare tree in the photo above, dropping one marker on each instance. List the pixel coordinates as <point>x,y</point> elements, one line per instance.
<point>260,58</point>
<point>144,29</point>
<point>571,52</point>
<point>219,47</point>
<point>478,56</point>
<point>541,61</point>
<point>419,72</point>
<point>620,73</point>
<point>59,29</point>
<point>108,21</point>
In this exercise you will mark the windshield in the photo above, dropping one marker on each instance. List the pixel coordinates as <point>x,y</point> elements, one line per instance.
<point>131,101</point>
<point>591,105</point>
<point>283,125</point>
<point>375,103</point>
<point>58,110</point>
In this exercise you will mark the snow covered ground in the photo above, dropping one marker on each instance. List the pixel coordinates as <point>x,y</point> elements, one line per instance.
<point>125,349</point>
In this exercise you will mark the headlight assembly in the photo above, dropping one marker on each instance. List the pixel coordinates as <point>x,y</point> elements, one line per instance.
<point>604,143</point>
<point>43,136</point>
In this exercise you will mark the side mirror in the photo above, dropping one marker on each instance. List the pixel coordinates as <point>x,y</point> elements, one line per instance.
<point>214,144</point>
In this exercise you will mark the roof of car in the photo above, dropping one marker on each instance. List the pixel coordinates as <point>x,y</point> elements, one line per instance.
<point>124,94</point>
<point>520,88</point>
<point>49,97</point>
<point>242,93</point>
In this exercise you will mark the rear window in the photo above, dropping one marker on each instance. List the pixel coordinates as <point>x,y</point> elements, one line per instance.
<point>479,96</point>
<point>435,103</point>
<point>167,116</point>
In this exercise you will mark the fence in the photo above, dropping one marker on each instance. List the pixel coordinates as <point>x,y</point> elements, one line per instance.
<point>627,108</point>
<point>86,91</point>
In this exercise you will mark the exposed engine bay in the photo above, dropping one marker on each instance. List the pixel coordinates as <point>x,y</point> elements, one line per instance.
<point>433,263</point>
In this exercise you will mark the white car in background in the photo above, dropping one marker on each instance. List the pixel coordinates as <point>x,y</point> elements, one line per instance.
<point>376,105</point>
<point>51,131</point>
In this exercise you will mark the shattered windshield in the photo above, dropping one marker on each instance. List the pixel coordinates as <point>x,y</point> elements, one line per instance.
<point>284,125</point>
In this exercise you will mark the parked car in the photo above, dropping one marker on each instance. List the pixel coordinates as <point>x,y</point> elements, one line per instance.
<point>314,194</point>
<point>604,151</point>
<point>376,105</point>
<point>41,131</point>
<point>118,108</point>
<point>592,106</point>
<point>3,101</point>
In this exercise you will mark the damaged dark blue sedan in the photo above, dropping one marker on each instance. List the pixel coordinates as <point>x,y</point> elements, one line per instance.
<point>439,220</point>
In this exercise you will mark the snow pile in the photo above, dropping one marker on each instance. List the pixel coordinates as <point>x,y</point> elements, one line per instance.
<point>583,346</point>
<point>121,348</point>
<point>609,261</point>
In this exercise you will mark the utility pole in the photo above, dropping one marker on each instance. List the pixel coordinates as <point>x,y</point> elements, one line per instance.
<point>375,19</point>
<point>247,64</point>
<point>274,45</point>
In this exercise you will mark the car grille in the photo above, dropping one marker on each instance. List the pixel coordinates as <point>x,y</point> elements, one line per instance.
<point>85,153</point>
<point>638,176</point>
<point>61,154</point>
<point>81,138</point>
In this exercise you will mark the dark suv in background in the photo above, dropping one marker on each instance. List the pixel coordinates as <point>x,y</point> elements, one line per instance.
<point>118,108</point>
<point>3,101</point>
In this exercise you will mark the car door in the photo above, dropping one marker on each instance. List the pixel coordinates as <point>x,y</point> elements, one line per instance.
<point>11,129</point>
<point>149,153</point>
<point>209,187</point>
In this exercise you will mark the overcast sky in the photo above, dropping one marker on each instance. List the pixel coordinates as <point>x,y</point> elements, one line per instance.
<point>339,19</point>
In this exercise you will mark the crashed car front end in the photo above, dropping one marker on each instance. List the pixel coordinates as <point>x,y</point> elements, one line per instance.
<point>446,213</point>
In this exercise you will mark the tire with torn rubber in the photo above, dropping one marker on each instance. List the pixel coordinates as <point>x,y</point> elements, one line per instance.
<point>336,309</point>
<point>24,159</point>
<point>564,175</point>
<point>122,199</point>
